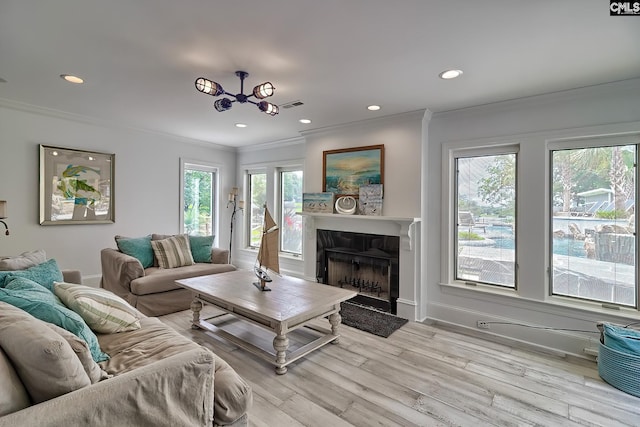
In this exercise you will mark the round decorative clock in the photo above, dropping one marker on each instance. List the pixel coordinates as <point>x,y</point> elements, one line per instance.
<point>346,205</point>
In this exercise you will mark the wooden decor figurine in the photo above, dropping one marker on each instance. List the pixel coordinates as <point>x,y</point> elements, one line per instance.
<point>268,253</point>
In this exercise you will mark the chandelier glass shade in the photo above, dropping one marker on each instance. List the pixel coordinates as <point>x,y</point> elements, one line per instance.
<point>261,91</point>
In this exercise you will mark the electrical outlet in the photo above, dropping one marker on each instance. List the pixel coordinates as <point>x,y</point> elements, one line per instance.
<point>483,324</point>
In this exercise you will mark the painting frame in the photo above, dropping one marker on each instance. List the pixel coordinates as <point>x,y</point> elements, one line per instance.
<point>76,186</point>
<point>343,173</point>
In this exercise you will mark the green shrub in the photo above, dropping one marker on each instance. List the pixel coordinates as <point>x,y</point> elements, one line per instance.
<point>617,214</point>
<point>469,235</point>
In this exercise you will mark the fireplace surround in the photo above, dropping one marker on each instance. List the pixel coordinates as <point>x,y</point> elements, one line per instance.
<point>364,262</point>
<point>406,229</point>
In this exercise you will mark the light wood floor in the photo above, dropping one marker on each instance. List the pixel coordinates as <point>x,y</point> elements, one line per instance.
<point>420,376</point>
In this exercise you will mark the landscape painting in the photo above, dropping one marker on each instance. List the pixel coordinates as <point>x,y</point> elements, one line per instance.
<point>345,170</point>
<point>317,202</point>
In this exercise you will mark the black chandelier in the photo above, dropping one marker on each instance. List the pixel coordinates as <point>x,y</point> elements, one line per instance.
<point>260,92</point>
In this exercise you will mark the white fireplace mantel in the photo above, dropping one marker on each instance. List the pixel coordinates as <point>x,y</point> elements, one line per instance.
<point>407,228</point>
<point>373,223</point>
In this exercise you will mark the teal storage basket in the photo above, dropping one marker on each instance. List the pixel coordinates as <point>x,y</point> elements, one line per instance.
<point>621,370</point>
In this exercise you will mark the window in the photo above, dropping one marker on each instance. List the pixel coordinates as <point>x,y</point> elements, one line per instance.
<point>290,203</point>
<point>198,194</point>
<point>258,198</point>
<point>593,242</point>
<point>485,218</point>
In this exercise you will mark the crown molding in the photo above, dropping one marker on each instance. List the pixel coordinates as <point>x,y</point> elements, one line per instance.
<point>271,145</point>
<point>410,115</point>
<point>58,114</point>
<point>601,90</point>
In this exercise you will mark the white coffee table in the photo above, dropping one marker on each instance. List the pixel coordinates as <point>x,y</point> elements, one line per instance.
<point>291,304</point>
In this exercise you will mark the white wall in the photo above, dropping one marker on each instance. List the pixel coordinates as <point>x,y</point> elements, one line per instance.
<point>531,123</point>
<point>146,183</point>
<point>401,136</point>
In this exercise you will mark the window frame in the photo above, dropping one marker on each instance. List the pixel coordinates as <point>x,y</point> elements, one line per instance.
<point>280,196</point>
<point>197,165</point>
<point>247,208</point>
<point>476,152</point>
<point>578,143</point>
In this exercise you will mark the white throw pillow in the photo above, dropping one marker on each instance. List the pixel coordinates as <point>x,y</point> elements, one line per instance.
<point>23,261</point>
<point>103,311</point>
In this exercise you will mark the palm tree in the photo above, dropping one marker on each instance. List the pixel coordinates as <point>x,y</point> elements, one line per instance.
<point>611,163</point>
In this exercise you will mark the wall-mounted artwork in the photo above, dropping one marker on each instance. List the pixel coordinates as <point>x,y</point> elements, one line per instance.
<point>317,202</point>
<point>76,186</point>
<point>345,170</point>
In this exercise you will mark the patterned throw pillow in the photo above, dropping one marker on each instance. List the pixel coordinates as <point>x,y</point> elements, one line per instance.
<point>43,274</point>
<point>44,305</point>
<point>103,311</point>
<point>137,247</point>
<point>173,252</point>
<point>201,248</point>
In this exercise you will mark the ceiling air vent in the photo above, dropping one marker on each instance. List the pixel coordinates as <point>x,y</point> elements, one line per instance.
<point>291,104</point>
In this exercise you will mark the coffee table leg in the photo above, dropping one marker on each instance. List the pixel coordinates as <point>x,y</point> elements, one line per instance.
<point>196,306</point>
<point>281,344</point>
<point>335,320</point>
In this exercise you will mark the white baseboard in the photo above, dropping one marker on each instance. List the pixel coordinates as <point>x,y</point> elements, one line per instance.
<point>554,341</point>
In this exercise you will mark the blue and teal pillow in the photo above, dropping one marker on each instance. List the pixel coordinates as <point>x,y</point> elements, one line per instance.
<point>137,247</point>
<point>201,248</point>
<point>33,298</point>
<point>44,274</point>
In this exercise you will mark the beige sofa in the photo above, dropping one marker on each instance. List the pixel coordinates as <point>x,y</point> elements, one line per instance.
<point>156,377</point>
<point>153,290</point>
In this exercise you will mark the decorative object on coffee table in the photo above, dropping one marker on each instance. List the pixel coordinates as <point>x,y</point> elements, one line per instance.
<point>345,170</point>
<point>268,252</point>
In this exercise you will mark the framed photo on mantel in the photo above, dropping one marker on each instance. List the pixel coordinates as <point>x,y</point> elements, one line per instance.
<point>76,186</point>
<point>345,170</point>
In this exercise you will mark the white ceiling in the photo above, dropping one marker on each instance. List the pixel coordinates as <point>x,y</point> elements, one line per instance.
<point>140,58</point>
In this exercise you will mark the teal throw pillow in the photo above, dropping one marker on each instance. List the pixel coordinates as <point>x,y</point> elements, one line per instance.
<point>44,274</point>
<point>137,247</point>
<point>201,248</point>
<point>44,305</point>
<point>625,340</point>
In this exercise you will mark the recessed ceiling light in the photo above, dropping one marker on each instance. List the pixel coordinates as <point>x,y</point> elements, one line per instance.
<point>373,107</point>
<point>450,74</point>
<point>241,125</point>
<point>71,78</point>
<point>305,121</point>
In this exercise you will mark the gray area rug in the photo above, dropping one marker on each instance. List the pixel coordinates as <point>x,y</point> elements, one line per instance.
<point>370,320</point>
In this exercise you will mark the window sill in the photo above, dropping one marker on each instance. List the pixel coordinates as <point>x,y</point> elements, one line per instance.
<point>281,255</point>
<point>556,305</point>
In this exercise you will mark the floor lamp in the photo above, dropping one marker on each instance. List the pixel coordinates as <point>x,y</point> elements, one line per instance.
<point>237,205</point>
